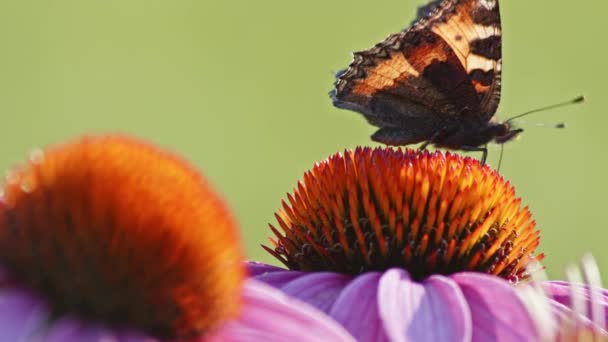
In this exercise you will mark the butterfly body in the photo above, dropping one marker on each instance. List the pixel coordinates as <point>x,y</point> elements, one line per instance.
<point>436,82</point>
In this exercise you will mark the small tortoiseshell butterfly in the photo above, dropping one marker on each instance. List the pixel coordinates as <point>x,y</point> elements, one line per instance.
<point>437,82</point>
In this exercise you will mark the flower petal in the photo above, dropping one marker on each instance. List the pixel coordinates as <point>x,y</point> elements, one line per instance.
<point>434,310</point>
<point>563,313</point>
<point>70,329</point>
<point>356,308</point>
<point>65,329</point>
<point>561,292</point>
<point>320,290</point>
<point>272,275</point>
<point>21,315</point>
<point>270,315</point>
<point>497,312</point>
<point>256,268</point>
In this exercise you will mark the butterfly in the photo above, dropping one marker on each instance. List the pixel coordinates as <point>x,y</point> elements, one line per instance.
<point>436,82</point>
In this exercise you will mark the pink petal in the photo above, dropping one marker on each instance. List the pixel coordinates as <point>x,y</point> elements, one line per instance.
<point>73,330</point>
<point>272,275</point>
<point>496,310</point>
<point>66,329</point>
<point>270,315</point>
<point>434,310</point>
<point>357,308</point>
<point>256,268</point>
<point>21,315</point>
<point>560,291</point>
<point>563,313</point>
<point>318,289</point>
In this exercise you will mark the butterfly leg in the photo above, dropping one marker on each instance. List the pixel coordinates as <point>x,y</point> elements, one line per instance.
<point>424,145</point>
<point>430,140</point>
<point>483,150</point>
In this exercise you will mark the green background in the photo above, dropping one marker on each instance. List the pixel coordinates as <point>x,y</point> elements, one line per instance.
<point>240,89</point>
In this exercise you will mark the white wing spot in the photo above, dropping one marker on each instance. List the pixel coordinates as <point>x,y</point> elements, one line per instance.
<point>488,4</point>
<point>479,62</point>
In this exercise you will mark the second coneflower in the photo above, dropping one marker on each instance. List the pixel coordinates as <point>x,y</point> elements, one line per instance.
<point>574,310</point>
<point>403,245</point>
<point>109,238</point>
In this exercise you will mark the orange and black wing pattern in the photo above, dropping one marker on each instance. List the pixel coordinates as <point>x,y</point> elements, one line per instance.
<point>445,68</point>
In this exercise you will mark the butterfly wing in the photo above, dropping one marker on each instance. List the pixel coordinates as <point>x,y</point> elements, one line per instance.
<point>446,65</point>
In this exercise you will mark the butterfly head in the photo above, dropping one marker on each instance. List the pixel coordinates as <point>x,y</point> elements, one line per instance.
<point>504,132</point>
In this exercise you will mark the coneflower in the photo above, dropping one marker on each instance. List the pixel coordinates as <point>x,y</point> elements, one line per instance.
<point>404,245</point>
<point>571,310</point>
<point>111,239</point>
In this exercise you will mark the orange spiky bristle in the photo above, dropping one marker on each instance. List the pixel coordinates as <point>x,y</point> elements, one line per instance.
<point>430,213</point>
<point>115,231</point>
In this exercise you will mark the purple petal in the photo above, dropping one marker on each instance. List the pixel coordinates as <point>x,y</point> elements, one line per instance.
<point>77,333</point>
<point>563,313</point>
<point>560,291</point>
<point>563,321</point>
<point>21,315</point>
<point>497,311</point>
<point>271,275</point>
<point>134,336</point>
<point>73,330</point>
<point>270,315</point>
<point>66,329</point>
<point>357,308</point>
<point>279,279</point>
<point>434,310</point>
<point>318,289</point>
<point>256,268</point>
<point>563,287</point>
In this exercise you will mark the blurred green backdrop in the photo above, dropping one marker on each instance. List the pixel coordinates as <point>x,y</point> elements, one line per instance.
<point>240,88</point>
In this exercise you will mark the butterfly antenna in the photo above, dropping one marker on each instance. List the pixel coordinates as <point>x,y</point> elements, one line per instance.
<point>567,103</point>
<point>560,125</point>
<point>545,125</point>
